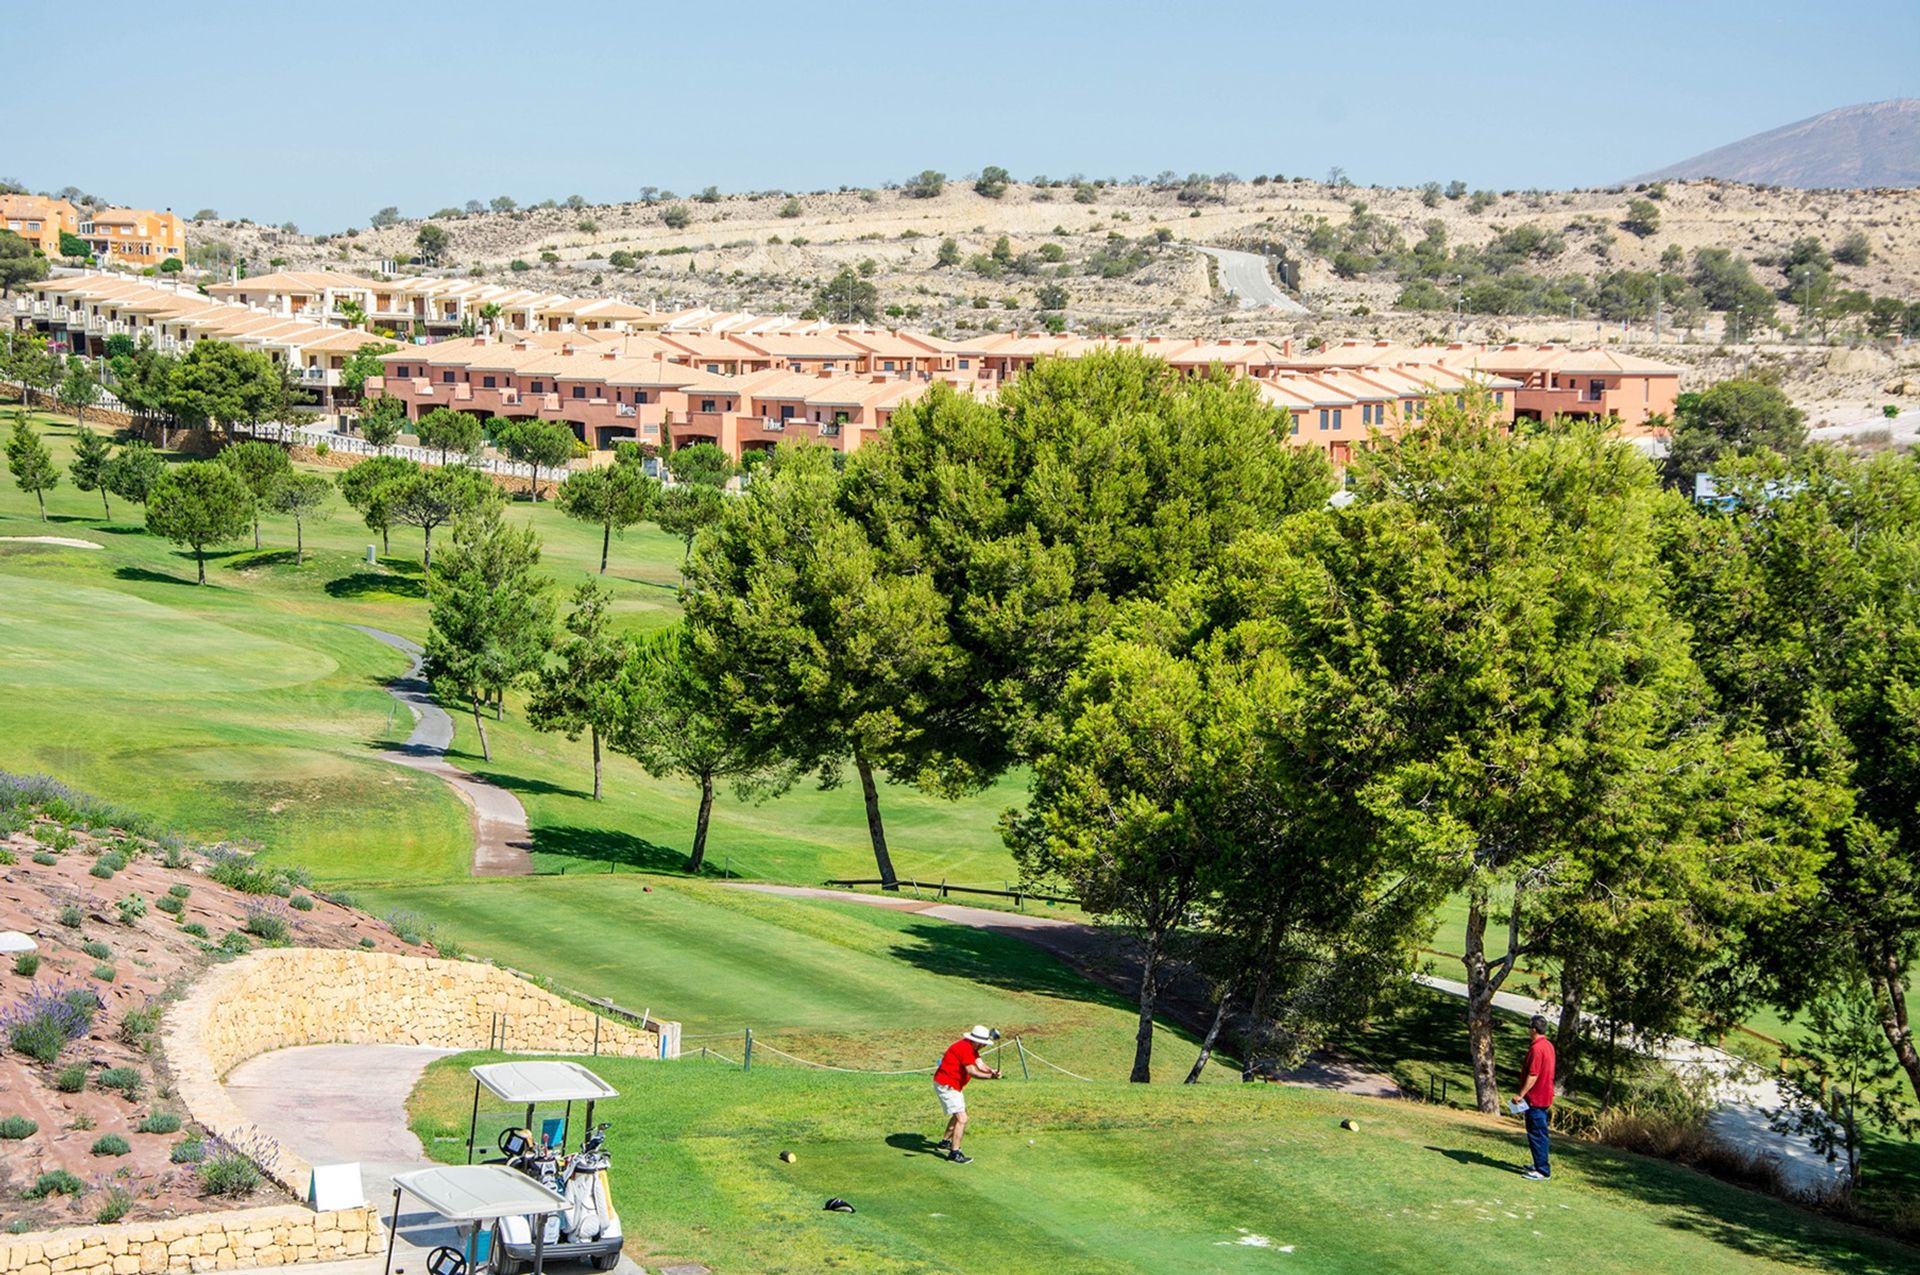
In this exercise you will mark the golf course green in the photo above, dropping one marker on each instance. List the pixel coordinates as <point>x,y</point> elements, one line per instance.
<point>1106,1177</point>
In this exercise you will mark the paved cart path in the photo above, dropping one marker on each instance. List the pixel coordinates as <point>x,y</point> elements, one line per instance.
<point>501,837</point>
<point>1244,275</point>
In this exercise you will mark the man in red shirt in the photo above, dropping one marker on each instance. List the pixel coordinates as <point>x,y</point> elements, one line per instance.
<point>958,1065</point>
<point>1535,1100</point>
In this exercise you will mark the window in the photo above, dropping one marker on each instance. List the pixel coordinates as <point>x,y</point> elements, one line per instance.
<point>539,387</point>
<point>714,368</point>
<point>487,381</point>
<point>446,378</point>
<point>965,364</point>
<point>1323,418</point>
<point>1499,398</point>
<point>1336,418</point>
<point>706,405</point>
<point>786,412</point>
<point>1296,425</point>
<point>639,396</point>
<point>886,365</point>
<point>579,391</point>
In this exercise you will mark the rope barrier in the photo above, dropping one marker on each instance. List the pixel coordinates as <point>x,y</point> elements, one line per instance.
<point>863,1071</point>
<point>1057,1067</point>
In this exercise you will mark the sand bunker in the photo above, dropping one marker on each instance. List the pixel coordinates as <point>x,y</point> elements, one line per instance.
<point>65,541</point>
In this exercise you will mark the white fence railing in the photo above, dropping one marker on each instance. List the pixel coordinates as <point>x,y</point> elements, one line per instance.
<point>310,435</point>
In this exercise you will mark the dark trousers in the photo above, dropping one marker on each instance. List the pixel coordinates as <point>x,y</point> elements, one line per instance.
<point>1537,1137</point>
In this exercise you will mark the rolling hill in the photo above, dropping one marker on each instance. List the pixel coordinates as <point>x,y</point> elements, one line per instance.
<point>1876,144</point>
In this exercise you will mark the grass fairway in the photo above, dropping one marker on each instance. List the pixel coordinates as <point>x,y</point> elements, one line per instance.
<point>248,709</point>
<point>1106,1177</point>
<point>842,983</point>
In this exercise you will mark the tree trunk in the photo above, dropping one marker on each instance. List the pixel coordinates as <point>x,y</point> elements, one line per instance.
<point>480,724</point>
<point>875,831</point>
<point>105,508</point>
<point>299,542</point>
<point>41,496</point>
<point>593,737</point>
<point>1483,980</point>
<point>1888,980</point>
<point>1213,1034</point>
<point>700,825</point>
<point>200,560</point>
<point>386,549</point>
<point>1566,1043</point>
<point>426,553</point>
<point>1149,992</point>
<point>606,542</point>
<point>256,531</point>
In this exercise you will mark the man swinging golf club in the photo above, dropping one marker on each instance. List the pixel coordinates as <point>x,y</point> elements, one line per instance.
<point>958,1065</point>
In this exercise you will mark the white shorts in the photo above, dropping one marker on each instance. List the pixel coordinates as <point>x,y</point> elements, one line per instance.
<point>952,1101</point>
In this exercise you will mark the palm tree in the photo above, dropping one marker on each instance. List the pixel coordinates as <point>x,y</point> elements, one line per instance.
<point>491,313</point>
<point>354,314</point>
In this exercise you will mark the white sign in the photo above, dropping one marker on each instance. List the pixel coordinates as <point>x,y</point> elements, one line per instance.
<point>336,1186</point>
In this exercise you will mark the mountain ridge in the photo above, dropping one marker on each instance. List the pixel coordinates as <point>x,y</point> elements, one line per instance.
<point>1872,145</point>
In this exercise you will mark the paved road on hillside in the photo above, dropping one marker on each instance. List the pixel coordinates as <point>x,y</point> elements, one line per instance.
<point>1245,275</point>
<point>501,837</point>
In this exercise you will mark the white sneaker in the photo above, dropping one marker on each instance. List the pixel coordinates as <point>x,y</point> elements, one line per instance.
<point>1534,1175</point>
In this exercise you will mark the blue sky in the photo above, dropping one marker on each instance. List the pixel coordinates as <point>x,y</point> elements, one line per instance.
<point>321,114</point>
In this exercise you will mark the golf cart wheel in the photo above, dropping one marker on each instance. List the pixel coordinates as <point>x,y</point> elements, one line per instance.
<point>504,1265</point>
<point>606,1261</point>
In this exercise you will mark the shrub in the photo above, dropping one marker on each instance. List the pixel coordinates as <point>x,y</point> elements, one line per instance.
<point>302,902</point>
<point>55,1182</point>
<point>110,1144</point>
<point>194,928</point>
<point>170,904</point>
<point>123,1080</point>
<point>675,216</point>
<point>137,1024</point>
<point>236,870</point>
<point>104,973</point>
<point>366,942</point>
<point>26,964</point>
<point>234,943</point>
<point>174,853</point>
<point>41,1025</point>
<point>1890,410</point>
<point>96,949</point>
<point>179,889</point>
<point>14,1128</point>
<point>71,1078</point>
<point>131,908</point>
<point>82,1123</point>
<point>266,922</point>
<point>7,859</point>
<point>116,1200</point>
<point>71,916</point>
<point>44,859</point>
<point>226,1172</point>
<point>159,1122</point>
<point>189,1150</point>
<point>102,868</point>
<point>407,926</point>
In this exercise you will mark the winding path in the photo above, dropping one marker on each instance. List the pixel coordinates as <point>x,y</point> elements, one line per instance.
<point>501,837</point>
<point>1244,275</point>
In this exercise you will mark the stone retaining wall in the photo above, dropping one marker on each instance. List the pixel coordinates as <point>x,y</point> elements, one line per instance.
<point>280,997</point>
<point>276,1236</point>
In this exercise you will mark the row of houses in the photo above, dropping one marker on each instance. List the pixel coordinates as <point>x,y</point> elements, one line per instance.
<point>82,312</point>
<point>115,236</point>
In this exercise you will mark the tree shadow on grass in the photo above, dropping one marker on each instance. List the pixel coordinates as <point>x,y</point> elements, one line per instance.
<point>146,575</point>
<point>363,584</point>
<point>998,960</point>
<point>1477,1159</point>
<point>605,850</point>
<point>1747,1221</point>
<point>122,529</point>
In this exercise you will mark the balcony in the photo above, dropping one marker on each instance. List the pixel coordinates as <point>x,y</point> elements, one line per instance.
<point>625,409</point>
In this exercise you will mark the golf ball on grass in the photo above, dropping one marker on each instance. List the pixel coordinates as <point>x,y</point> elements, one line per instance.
<point>788,1157</point>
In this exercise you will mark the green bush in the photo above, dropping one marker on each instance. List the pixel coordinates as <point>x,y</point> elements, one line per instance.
<point>179,889</point>
<point>104,973</point>
<point>189,1150</point>
<point>26,964</point>
<point>237,872</point>
<point>115,1202</point>
<point>102,868</point>
<point>42,1024</point>
<point>227,1172</point>
<point>55,1182</point>
<point>366,942</point>
<point>131,908</point>
<point>125,1080</point>
<point>137,1024</point>
<point>234,943</point>
<point>96,949</point>
<point>266,924</point>
<point>71,916</point>
<point>174,855</point>
<point>194,928</point>
<point>159,1122</point>
<point>110,1144</point>
<point>71,1078</point>
<point>44,859</point>
<point>301,902</point>
<point>14,1128</point>
<point>170,904</point>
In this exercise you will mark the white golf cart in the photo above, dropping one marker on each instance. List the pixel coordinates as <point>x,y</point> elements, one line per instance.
<point>473,1197</point>
<point>587,1228</point>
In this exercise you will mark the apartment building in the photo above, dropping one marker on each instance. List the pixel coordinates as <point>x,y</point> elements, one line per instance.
<point>39,220</point>
<point>134,236</point>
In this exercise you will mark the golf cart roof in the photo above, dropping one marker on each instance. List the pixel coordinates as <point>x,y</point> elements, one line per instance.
<point>478,1192</point>
<point>542,1082</point>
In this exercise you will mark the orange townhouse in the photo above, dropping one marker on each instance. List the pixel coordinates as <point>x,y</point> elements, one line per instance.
<point>1591,384</point>
<point>39,220</point>
<point>134,236</point>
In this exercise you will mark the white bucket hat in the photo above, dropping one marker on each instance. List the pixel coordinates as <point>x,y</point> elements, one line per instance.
<point>981,1035</point>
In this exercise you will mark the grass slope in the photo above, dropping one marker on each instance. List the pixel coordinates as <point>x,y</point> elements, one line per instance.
<point>1104,1177</point>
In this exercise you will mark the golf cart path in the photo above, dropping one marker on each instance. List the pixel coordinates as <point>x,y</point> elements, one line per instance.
<point>1747,1095</point>
<point>500,833</point>
<point>341,1104</point>
<point>1093,952</point>
<point>1244,275</point>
